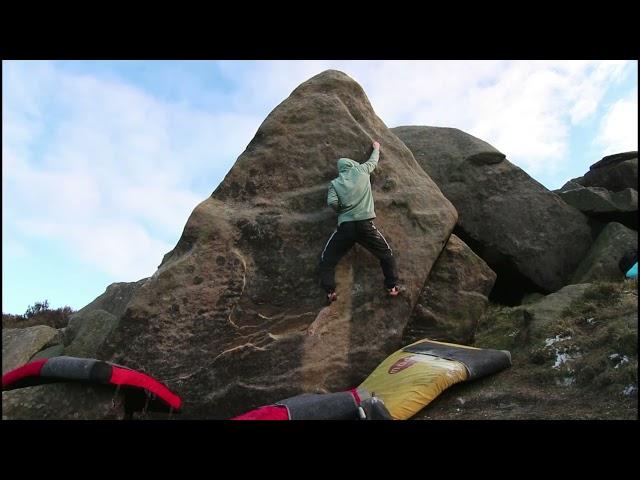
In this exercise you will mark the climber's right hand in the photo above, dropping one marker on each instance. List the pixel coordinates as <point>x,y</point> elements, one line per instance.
<point>376,145</point>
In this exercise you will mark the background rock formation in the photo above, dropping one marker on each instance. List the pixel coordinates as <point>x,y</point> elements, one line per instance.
<point>608,192</point>
<point>20,344</point>
<point>115,298</point>
<point>63,401</point>
<point>601,263</point>
<point>526,234</point>
<point>91,325</point>
<point>454,297</point>
<point>613,172</point>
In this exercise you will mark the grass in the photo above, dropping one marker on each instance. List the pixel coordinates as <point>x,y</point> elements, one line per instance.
<point>589,352</point>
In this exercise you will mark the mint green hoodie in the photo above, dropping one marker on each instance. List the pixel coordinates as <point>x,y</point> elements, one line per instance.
<point>350,193</point>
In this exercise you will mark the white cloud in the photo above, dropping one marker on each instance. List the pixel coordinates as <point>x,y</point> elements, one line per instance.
<point>142,201</point>
<point>619,126</point>
<point>14,250</point>
<point>105,169</point>
<point>524,108</point>
<point>589,84</point>
<point>120,248</point>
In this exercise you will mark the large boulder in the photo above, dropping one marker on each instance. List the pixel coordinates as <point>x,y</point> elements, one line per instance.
<point>530,237</point>
<point>20,344</point>
<point>63,401</point>
<point>49,352</point>
<point>614,172</point>
<point>89,331</point>
<point>234,316</point>
<point>115,298</point>
<point>550,309</point>
<point>97,319</point>
<point>597,200</point>
<point>454,297</point>
<point>604,206</point>
<point>601,263</point>
<point>608,191</point>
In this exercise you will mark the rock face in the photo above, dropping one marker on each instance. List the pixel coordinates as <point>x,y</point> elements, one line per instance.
<point>49,352</point>
<point>615,172</point>
<point>601,263</point>
<point>114,300</point>
<point>526,234</point>
<point>454,298</point>
<point>72,402</point>
<point>20,344</point>
<point>608,191</point>
<point>88,332</point>
<point>89,327</point>
<point>549,309</point>
<point>603,205</point>
<point>597,200</point>
<point>234,316</point>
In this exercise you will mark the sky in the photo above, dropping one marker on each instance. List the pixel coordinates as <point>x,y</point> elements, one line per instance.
<point>103,161</point>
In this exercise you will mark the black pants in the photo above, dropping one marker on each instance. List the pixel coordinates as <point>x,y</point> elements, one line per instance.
<point>366,234</point>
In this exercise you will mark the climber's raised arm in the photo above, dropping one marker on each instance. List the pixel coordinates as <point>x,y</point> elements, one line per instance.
<point>370,165</point>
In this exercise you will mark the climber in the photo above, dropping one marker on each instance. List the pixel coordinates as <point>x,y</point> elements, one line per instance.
<point>350,196</point>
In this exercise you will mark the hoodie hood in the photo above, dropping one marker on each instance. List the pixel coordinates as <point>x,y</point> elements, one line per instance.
<point>345,164</point>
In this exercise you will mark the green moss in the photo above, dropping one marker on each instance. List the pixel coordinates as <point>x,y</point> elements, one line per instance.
<point>542,375</point>
<point>601,330</point>
<point>500,328</point>
<point>596,297</point>
<point>539,355</point>
<point>603,293</point>
<point>596,331</point>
